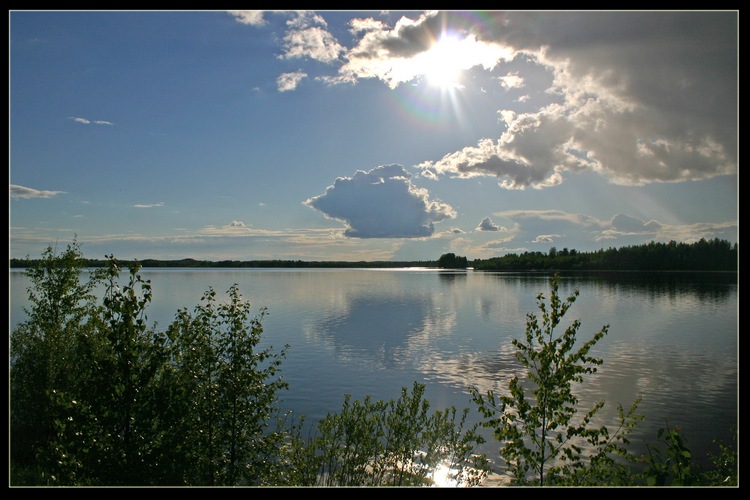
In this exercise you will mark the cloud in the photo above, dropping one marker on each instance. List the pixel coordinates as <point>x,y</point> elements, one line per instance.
<point>250,17</point>
<point>584,232</point>
<point>403,53</point>
<point>636,96</point>
<point>554,217</point>
<point>546,238</point>
<point>513,168</point>
<point>395,55</point>
<point>25,192</point>
<point>313,42</point>
<point>626,224</point>
<point>234,228</point>
<point>381,203</point>
<point>487,225</point>
<point>86,121</point>
<point>219,243</point>
<point>511,81</point>
<point>289,81</point>
<point>641,97</point>
<point>149,205</point>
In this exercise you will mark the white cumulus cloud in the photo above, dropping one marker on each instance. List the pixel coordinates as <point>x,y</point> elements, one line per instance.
<point>381,203</point>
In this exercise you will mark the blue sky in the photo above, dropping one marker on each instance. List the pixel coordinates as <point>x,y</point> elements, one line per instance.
<point>357,135</point>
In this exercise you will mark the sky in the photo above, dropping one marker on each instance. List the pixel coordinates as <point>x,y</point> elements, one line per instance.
<point>370,135</point>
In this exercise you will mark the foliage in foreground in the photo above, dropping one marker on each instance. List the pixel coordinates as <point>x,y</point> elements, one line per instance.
<point>389,443</point>
<point>98,397</point>
<point>545,439</point>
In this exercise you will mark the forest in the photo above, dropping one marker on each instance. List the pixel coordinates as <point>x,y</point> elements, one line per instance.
<point>703,255</point>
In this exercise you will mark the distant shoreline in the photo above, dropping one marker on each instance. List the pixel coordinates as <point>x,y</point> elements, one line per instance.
<point>235,264</point>
<point>194,264</point>
<point>714,255</point>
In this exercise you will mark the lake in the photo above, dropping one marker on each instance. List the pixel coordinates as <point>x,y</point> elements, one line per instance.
<point>673,337</point>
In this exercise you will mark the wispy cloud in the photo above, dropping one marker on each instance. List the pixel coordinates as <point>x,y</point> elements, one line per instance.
<point>565,229</point>
<point>235,227</point>
<point>86,121</point>
<point>26,192</point>
<point>149,205</point>
<point>381,203</point>
<point>224,242</point>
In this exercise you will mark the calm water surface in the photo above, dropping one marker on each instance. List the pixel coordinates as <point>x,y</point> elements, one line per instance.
<point>673,338</point>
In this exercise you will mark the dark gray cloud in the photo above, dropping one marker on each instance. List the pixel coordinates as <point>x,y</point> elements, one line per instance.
<point>381,203</point>
<point>408,38</point>
<point>641,97</point>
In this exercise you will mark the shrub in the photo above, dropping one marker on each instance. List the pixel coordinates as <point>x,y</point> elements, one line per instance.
<point>545,442</point>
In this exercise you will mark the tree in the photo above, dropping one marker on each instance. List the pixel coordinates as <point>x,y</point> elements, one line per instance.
<point>62,325</point>
<point>227,388</point>
<point>107,428</point>
<point>452,261</point>
<point>100,398</point>
<point>544,441</point>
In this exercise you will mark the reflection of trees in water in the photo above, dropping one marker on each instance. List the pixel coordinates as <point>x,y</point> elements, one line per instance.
<point>708,286</point>
<point>450,277</point>
<point>704,286</point>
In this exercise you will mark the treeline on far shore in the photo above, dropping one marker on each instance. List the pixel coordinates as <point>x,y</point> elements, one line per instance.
<point>182,263</point>
<point>703,255</point>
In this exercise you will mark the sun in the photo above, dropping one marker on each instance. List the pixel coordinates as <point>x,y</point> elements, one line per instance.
<point>443,64</point>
